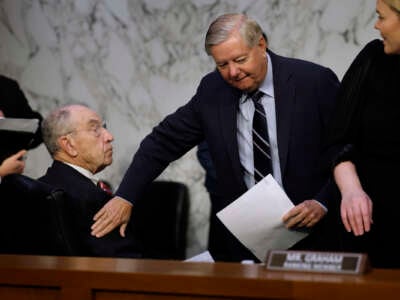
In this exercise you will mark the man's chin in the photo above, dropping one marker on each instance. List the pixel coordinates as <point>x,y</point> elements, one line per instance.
<point>108,157</point>
<point>107,162</point>
<point>245,87</point>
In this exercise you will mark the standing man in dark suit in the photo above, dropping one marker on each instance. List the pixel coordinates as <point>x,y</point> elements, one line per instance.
<point>81,147</point>
<point>298,100</point>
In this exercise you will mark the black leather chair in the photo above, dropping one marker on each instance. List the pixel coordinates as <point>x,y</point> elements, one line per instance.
<point>35,219</point>
<point>160,220</point>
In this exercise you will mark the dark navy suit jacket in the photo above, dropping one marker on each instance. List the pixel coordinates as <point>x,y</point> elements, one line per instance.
<point>14,104</point>
<point>304,97</point>
<point>86,200</point>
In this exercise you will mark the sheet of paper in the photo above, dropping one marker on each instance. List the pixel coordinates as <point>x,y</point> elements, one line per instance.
<point>15,124</point>
<point>202,257</point>
<point>255,219</point>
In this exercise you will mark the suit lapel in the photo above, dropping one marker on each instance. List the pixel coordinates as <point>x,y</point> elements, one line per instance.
<point>73,182</point>
<point>228,123</point>
<point>285,97</point>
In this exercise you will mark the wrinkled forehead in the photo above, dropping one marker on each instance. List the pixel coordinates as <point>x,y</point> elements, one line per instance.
<point>83,116</point>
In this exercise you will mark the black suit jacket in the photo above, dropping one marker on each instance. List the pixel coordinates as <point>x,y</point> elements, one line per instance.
<point>304,99</point>
<point>87,199</point>
<point>14,104</point>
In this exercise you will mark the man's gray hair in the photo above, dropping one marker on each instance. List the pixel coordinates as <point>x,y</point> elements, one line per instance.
<point>55,125</point>
<point>222,28</point>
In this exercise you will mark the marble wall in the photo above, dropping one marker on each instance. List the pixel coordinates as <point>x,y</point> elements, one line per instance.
<point>134,61</point>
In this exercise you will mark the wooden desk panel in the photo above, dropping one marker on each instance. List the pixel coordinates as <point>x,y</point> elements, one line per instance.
<point>28,293</point>
<point>146,296</point>
<point>105,278</point>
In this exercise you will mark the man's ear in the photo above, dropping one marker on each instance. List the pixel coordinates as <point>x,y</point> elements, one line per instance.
<point>263,43</point>
<point>67,145</point>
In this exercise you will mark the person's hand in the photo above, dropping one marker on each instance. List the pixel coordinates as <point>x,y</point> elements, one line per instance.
<point>356,206</point>
<point>356,212</point>
<point>306,214</point>
<point>115,212</point>
<point>13,164</point>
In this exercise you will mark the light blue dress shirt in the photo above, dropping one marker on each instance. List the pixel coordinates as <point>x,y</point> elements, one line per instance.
<point>245,126</point>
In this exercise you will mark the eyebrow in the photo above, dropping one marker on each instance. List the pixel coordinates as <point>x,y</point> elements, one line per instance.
<point>94,122</point>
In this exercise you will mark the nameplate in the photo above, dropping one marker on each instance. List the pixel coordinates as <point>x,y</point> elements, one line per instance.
<point>315,261</point>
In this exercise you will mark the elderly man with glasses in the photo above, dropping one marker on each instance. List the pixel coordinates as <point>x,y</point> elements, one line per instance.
<point>81,146</point>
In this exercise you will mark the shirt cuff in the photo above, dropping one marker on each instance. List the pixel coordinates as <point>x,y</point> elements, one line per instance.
<point>124,199</point>
<point>323,206</point>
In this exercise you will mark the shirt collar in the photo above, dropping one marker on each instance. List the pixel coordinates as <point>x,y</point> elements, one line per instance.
<point>84,172</point>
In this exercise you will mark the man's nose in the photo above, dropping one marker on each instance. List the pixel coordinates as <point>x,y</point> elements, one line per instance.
<point>233,70</point>
<point>108,136</point>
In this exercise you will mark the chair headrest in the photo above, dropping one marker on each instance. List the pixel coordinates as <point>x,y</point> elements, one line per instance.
<point>23,185</point>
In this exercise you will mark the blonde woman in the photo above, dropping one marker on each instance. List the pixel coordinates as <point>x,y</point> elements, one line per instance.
<point>367,123</point>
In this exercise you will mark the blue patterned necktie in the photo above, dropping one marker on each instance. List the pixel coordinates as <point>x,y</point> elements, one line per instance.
<point>261,146</point>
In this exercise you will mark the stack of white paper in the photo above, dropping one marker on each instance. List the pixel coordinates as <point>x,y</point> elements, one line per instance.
<point>255,219</point>
<point>202,257</point>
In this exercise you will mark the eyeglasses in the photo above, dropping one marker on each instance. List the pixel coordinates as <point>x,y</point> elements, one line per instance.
<point>96,128</point>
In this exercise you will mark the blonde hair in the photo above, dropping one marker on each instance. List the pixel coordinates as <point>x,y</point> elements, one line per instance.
<point>394,4</point>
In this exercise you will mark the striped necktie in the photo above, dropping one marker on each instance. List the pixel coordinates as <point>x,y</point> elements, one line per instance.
<point>261,146</point>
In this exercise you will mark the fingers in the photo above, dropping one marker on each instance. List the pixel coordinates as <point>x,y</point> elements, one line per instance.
<point>370,206</point>
<point>309,221</point>
<point>303,220</point>
<point>98,215</point>
<point>105,227</point>
<point>366,211</point>
<point>345,220</point>
<point>356,213</point>
<point>122,229</point>
<point>295,219</point>
<point>306,214</point>
<point>13,164</point>
<point>20,154</point>
<point>18,167</point>
<point>355,221</point>
<point>101,222</point>
<point>115,212</point>
<point>104,223</point>
<point>291,213</point>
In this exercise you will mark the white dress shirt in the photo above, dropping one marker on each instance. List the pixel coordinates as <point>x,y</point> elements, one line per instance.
<point>84,172</point>
<point>245,127</point>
